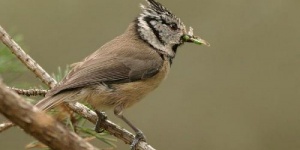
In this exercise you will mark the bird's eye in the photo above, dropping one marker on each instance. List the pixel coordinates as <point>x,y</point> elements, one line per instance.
<point>173,26</point>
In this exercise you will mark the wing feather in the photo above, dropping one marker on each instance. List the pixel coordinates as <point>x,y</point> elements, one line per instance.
<point>113,69</point>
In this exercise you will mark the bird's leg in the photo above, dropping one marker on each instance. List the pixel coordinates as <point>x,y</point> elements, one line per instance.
<point>139,136</point>
<point>101,117</point>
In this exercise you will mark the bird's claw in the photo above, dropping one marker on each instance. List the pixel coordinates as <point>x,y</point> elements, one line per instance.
<point>137,138</point>
<point>101,117</point>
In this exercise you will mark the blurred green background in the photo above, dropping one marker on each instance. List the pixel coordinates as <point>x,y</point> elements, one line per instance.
<point>242,93</point>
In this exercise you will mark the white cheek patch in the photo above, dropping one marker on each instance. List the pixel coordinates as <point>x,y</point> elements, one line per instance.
<point>153,22</point>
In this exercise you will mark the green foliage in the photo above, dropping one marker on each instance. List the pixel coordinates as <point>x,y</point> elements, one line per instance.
<point>8,62</point>
<point>100,136</point>
<point>61,73</point>
<point>80,126</point>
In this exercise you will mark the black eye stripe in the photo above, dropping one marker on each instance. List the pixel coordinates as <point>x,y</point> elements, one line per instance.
<point>164,22</point>
<point>173,26</point>
<point>156,33</point>
<point>169,24</point>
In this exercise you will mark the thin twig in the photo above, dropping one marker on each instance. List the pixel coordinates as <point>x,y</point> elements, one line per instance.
<point>6,125</point>
<point>82,110</point>
<point>26,59</point>
<point>29,92</point>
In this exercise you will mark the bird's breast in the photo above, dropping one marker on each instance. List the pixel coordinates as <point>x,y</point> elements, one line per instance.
<point>127,94</point>
<point>135,91</point>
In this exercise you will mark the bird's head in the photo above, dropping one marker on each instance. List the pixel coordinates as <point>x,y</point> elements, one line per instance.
<point>163,30</point>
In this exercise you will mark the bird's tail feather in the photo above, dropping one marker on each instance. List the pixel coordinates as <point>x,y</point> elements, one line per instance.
<point>52,101</point>
<point>48,103</point>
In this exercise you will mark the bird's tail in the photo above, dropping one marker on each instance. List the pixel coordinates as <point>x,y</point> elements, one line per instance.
<point>52,101</point>
<point>48,103</point>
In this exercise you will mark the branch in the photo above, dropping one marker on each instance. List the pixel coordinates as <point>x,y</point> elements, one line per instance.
<point>37,123</point>
<point>26,59</point>
<point>5,126</point>
<point>29,92</point>
<point>82,110</point>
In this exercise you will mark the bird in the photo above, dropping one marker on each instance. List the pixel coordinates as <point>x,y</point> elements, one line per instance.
<point>124,70</point>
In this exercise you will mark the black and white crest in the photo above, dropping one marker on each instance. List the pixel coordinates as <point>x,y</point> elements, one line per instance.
<point>158,8</point>
<point>160,28</point>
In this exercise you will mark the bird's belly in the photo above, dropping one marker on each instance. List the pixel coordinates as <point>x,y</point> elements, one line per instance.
<point>126,94</point>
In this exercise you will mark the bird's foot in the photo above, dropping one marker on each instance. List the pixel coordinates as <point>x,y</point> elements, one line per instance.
<point>101,117</point>
<point>137,138</point>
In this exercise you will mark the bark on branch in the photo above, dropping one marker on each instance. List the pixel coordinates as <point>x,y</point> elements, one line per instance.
<point>82,110</point>
<point>29,92</point>
<point>37,123</point>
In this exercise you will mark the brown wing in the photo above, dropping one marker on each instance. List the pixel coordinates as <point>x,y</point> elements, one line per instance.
<point>126,66</point>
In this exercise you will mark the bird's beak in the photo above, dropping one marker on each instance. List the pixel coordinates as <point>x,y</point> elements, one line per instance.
<point>194,39</point>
